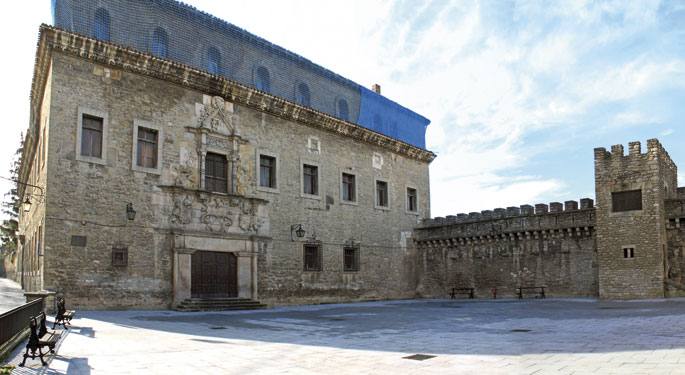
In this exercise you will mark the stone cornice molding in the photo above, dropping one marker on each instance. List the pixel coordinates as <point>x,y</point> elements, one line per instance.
<point>127,59</point>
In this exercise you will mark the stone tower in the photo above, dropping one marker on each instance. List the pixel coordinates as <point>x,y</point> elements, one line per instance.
<point>631,231</point>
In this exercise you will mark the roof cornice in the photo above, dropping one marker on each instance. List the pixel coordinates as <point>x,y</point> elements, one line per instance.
<point>127,59</point>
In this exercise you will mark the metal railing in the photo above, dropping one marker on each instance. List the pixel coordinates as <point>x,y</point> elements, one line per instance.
<point>16,320</point>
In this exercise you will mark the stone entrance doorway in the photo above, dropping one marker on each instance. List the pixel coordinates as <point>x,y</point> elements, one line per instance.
<point>213,274</point>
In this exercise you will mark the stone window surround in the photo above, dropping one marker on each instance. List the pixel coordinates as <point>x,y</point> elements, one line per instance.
<point>105,134</point>
<point>318,177</point>
<point>623,249</point>
<point>313,140</point>
<point>352,172</point>
<point>375,194</point>
<point>137,123</point>
<point>274,155</point>
<point>406,200</point>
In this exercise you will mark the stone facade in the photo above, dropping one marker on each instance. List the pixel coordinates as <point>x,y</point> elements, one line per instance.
<point>508,248</point>
<point>84,217</point>
<point>629,246</point>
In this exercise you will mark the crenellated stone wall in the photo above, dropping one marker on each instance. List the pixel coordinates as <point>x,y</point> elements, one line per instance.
<point>543,245</point>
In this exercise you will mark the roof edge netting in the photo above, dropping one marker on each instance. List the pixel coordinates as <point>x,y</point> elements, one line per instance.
<point>181,32</point>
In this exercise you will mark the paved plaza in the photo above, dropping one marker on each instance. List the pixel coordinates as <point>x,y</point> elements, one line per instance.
<point>465,337</point>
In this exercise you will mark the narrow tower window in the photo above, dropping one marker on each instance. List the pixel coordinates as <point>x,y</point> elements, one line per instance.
<point>160,43</point>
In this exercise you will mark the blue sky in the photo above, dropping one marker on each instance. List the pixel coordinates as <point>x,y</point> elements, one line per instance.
<point>519,93</point>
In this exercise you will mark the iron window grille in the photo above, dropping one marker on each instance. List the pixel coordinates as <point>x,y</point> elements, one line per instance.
<point>120,256</point>
<point>312,257</point>
<point>351,258</point>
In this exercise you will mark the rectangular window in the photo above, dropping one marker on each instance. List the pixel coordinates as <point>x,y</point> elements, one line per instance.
<point>310,179</point>
<point>119,256</point>
<point>216,173</point>
<point>381,194</point>
<point>91,136</point>
<point>626,201</point>
<point>348,187</point>
<point>147,148</point>
<point>411,200</point>
<point>628,252</point>
<point>351,259</point>
<point>312,257</point>
<point>267,171</point>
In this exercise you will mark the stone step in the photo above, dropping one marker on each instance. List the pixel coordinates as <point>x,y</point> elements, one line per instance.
<point>218,304</point>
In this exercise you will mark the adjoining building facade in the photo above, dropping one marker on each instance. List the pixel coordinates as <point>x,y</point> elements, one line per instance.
<point>161,178</point>
<point>629,246</point>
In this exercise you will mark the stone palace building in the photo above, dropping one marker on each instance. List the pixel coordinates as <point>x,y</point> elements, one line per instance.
<point>173,159</point>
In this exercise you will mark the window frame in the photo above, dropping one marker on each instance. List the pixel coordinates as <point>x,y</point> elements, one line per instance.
<point>228,172</point>
<point>255,75</point>
<point>153,39</point>
<point>319,265</point>
<point>615,195</point>
<point>123,250</point>
<point>79,134</point>
<point>210,52</point>
<point>375,194</point>
<point>137,123</point>
<point>302,94</point>
<point>318,180</point>
<point>357,261</point>
<point>338,111</point>
<point>355,194</point>
<point>628,250</point>
<point>108,24</point>
<point>258,170</point>
<point>406,197</point>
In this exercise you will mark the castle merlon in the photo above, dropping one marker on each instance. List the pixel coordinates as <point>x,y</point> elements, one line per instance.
<point>512,212</point>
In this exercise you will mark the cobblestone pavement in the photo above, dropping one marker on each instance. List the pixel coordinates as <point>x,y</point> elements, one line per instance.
<point>466,337</point>
<point>11,295</point>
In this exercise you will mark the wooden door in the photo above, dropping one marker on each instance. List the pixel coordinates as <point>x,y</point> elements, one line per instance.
<point>213,274</point>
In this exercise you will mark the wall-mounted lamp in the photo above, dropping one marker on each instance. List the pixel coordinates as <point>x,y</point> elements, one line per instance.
<point>130,212</point>
<point>299,232</point>
<point>27,204</point>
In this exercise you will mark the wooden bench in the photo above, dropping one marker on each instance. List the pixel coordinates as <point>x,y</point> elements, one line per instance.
<point>63,315</point>
<point>40,338</point>
<point>539,290</point>
<point>455,291</point>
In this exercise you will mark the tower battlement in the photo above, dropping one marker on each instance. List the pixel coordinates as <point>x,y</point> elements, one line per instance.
<point>655,152</point>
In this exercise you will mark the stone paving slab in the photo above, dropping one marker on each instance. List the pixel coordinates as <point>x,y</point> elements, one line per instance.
<point>466,337</point>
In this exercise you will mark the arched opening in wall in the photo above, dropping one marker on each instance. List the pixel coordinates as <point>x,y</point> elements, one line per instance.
<point>160,43</point>
<point>101,25</point>
<point>302,95</point>
<point>213,60</point>
<point>262,79</point>
<point>343,110</point>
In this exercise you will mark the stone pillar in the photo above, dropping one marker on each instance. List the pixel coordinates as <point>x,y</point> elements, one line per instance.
<point>245,274</point>
<point>182,259</point>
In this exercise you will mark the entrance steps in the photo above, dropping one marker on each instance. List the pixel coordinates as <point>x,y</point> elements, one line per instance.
<point>218,304</point>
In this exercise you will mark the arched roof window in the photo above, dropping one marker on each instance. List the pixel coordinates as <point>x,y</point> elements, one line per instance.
<point>213,60</point>
<point>378,124</point>
<point>302,95</point>
<point>343,110</point>
<point>102,23</point>
<point>262,80</point>
<point>160,43</point>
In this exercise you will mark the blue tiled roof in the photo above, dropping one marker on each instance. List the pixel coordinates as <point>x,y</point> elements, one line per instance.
<point>193,32</point>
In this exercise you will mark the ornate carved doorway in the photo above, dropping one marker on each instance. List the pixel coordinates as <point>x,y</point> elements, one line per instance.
<point>213,274</point>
